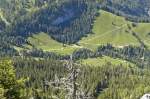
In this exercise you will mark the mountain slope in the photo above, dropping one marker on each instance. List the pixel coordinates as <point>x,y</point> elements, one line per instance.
<point>107,28</point>
<point>70,22</point>
<point>65,21</point>
<point>75,49</point>
<point>116,30</point>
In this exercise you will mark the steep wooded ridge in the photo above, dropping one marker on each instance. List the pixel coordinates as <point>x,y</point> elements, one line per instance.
<point>58,19</point>
<point>66,21</point>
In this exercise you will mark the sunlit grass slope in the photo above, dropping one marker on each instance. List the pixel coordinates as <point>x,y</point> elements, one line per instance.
<point>143,30</point>
<point>45,42</point>
<point>109,28</point>
<point>100,61</point>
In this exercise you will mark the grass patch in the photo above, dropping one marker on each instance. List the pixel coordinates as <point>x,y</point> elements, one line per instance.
<point>109,28</point>
<point>46,43</point>
<point>100,61</point>
<point>143,30</point>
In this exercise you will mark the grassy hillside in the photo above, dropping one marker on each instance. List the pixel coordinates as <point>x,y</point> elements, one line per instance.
<point>105,59</point>
<point>143,30</point>
<point>45,42</point>
<point>107,28</point>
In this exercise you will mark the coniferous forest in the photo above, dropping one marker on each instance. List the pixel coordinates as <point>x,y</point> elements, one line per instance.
<point>91,49</point>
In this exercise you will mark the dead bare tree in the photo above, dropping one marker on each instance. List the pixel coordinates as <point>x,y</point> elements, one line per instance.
<point>69,84</point>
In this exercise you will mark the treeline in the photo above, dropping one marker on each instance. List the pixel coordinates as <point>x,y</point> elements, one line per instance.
<point>136,55</point>
<point>43,54</point>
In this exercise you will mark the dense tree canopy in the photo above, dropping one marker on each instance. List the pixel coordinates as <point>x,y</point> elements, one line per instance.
<point>10,87</point>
